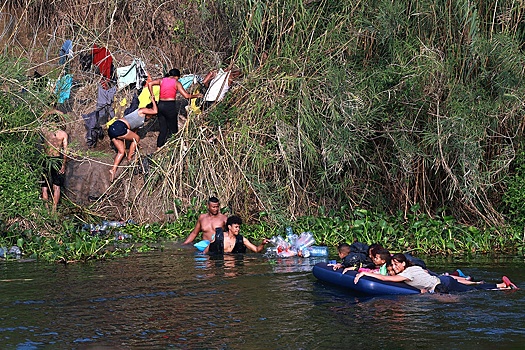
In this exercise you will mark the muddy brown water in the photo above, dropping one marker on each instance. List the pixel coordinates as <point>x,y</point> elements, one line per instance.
<point>178,299</point>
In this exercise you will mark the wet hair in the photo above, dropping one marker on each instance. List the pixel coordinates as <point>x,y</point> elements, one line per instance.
<point>213,200</point>
<point>384,254</point>
<point>174,72</point>
<point>400,257</point>
<point>232,220</point>
<point>56,120</point>
<point>374,248</point>
<point>343,248</point>
<point>236,72</point>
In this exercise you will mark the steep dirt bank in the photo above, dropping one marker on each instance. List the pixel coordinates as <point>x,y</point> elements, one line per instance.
<point>162,34</point>
<point>88,179</point>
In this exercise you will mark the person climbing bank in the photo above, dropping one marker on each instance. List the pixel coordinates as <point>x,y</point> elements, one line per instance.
<point>169,107</point>
<point>122,130</point>
<point>55,143</point>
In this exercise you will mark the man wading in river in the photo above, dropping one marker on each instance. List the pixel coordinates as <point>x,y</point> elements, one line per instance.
<point>207,223</point>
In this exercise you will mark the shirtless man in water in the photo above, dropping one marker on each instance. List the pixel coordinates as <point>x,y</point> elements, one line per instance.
<point>207,223</point>
<point>55,150</point>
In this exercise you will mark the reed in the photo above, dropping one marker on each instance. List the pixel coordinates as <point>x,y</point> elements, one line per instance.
<point>380,105</point>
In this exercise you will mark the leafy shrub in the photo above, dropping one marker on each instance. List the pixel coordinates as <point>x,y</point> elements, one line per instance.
<point>19,161</point>
<point>514,197</point>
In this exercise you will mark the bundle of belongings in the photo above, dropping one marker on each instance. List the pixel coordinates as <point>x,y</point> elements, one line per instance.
<point>102,113</point>
<point>358,257</point>
<point>294,245</point>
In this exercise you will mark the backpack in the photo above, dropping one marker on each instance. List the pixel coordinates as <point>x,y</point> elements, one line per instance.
<point>358,256</point>
<point>416,261</point>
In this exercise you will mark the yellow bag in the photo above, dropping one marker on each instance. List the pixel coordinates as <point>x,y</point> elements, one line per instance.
<point>111,121</point>
<point>144,97</point>
<point>195,103</point>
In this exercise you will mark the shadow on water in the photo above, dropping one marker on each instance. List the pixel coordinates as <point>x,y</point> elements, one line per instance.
<point>180,299</point>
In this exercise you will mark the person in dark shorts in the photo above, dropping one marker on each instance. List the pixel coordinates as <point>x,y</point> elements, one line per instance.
<point>55,142</point>
<point>122,130</point>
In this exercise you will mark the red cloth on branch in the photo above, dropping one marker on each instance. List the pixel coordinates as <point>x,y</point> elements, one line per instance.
<point>103,59</point>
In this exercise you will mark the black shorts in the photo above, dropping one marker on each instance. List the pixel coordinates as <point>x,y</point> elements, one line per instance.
<point>51,172</point>
<point>207,104</point>
<point>118,128</point>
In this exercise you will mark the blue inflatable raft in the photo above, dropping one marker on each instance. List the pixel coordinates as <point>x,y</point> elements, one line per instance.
<point>368,286</point>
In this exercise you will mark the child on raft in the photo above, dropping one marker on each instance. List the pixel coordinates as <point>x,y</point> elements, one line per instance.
<point>343,251</point>
<point>381,260</point>
<point>353,261</point>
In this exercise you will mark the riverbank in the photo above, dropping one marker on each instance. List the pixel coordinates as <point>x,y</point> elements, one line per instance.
<point>376,123</point>
<point>377,111</point>
<point>73,241</point>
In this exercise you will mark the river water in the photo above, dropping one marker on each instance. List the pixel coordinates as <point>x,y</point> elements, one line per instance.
<point>175,298</point>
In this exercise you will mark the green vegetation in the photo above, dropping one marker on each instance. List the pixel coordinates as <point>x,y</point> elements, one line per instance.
<point>399,122</point>
<point>514,196</point>
<point>381,104</point>
<point>71,241</point>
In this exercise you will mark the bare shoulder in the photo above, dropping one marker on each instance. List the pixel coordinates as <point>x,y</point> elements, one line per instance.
<point>61,134</point>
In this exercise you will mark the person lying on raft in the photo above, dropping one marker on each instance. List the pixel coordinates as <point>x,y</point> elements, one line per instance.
<point>419,278</point>
<point>457,274</point>
<point>353,256</point>
<point>231,241</point>
<point>343,250</point>
<point>376,247</point>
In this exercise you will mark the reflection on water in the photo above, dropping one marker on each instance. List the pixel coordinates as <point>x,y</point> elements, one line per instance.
<point>177,298</point>
<point>295,264</point>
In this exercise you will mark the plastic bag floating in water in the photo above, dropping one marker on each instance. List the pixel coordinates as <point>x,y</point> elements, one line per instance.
<point>13,252</point>
<point>293,245</point>
<point>106,227</point>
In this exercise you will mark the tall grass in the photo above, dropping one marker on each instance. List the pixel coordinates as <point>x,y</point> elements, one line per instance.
<point>387,105</point>
<point>381,103</point>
